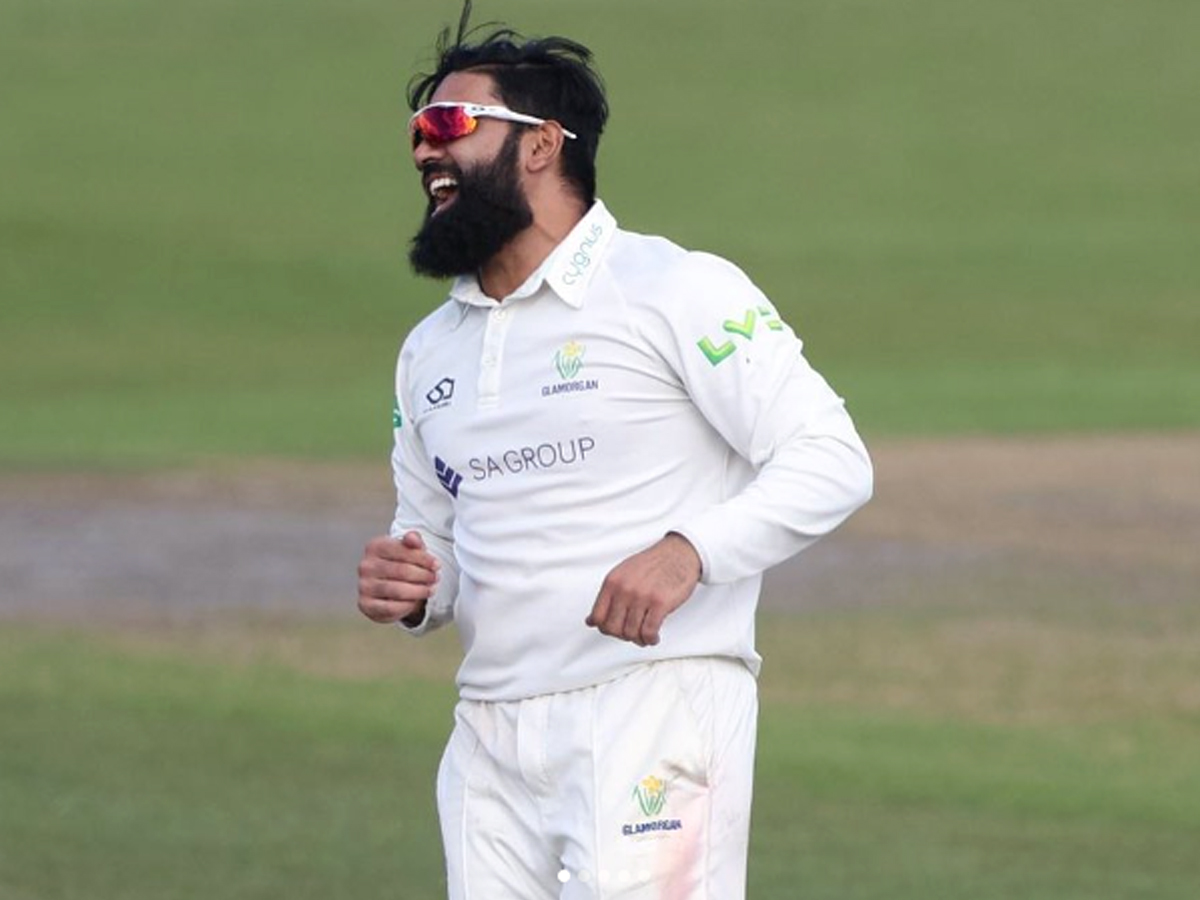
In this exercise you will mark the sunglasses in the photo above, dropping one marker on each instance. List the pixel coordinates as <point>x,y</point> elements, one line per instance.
<point>441,123</point>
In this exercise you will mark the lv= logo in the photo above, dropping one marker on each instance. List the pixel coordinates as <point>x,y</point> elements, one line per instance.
<point>744,328</point>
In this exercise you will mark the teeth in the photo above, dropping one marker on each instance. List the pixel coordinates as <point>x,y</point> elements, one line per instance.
<point>442,183</point>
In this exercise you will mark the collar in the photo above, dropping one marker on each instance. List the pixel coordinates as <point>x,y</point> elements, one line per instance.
<point>567,271</point>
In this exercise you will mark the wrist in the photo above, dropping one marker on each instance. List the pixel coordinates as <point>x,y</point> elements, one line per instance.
<point>687,553</point>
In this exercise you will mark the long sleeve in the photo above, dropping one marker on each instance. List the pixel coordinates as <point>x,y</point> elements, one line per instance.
<point>422,505</point>
<point>745,370</point>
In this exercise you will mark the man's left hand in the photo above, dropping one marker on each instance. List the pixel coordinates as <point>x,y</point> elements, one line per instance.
<point>646,588</point>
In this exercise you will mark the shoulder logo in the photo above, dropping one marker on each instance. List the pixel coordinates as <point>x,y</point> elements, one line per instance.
<point>440,394</point>
<point>568,362</point>
<point>397,419</point>
<point>745,328</point>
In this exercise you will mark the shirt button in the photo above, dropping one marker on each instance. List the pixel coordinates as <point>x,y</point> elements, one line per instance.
<point>500,313</point>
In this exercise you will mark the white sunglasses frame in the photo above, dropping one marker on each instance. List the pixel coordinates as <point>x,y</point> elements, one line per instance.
<point>480,111</point>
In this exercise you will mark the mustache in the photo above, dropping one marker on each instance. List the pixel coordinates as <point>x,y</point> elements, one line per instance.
<point>432,168</point>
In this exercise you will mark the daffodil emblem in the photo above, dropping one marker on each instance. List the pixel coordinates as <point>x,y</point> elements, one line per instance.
<point>569,359</point>
<point>651,795</point>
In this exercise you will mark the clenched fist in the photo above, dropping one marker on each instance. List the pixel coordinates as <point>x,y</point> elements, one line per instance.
<point>395,579</point>
<point>646,588</point>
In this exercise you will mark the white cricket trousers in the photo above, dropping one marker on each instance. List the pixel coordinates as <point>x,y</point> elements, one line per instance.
<point>635,789</point>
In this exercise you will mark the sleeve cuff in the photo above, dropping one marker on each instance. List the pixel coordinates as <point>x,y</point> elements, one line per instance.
<point>692,538</point>
<point>439,609</point>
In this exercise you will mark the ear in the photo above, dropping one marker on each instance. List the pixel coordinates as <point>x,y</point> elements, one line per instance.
<point>544,146</point>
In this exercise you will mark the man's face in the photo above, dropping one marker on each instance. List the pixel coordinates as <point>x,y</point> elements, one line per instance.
<point>476,201</point>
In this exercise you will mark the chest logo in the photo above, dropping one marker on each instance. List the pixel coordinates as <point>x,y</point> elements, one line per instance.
<point>568,362</point>
<point>569,359</point>
<point>519,460</point>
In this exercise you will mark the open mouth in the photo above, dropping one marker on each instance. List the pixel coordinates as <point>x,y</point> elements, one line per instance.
<point>442,189</point>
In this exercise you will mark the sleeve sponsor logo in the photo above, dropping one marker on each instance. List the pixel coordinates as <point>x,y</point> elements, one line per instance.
<point>743,329</point>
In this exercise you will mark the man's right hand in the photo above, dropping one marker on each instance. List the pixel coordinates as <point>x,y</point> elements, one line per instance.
<point>395,578</point>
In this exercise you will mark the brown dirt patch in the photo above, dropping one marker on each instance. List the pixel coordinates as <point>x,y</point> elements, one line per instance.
<point>1064,519</point>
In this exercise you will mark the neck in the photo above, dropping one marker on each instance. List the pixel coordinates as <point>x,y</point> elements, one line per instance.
<point>520,258</point>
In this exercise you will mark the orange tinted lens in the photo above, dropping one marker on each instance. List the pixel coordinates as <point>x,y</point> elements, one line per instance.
<point>442,124</point>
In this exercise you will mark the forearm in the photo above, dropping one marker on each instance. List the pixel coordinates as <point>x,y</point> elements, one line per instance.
<point>805,491</point>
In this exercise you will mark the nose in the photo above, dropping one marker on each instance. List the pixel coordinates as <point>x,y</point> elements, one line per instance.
<point>426,152</point>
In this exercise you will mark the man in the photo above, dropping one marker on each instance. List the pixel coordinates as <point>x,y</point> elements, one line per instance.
<point>602,441</point>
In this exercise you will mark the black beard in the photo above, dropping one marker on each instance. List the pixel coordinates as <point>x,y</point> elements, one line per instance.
<point>488,211</point>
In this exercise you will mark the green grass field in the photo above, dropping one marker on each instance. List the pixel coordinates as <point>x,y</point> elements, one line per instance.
<point>982,216</point>
<point>268,759</point>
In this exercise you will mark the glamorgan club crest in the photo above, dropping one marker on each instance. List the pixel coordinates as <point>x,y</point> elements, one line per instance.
<point>651,795</point>
<point>569,359</point>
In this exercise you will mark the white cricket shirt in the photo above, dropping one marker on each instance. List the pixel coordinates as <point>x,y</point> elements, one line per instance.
<point>627,389</point>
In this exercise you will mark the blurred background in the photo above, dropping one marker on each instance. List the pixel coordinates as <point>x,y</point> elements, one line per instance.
<point>982,217</point>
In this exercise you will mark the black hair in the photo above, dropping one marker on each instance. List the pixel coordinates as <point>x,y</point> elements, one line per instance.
<point>547,77</point>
